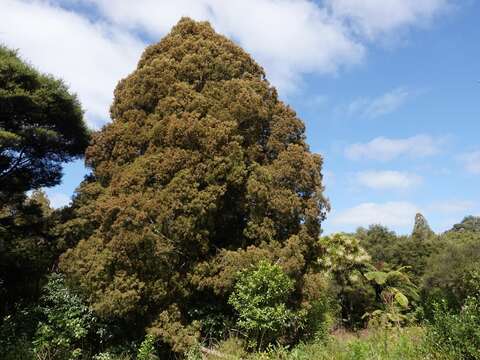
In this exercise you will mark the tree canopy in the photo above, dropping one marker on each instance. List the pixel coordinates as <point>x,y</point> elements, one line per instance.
<point>41,127</point>
<point>469,223</point>
<point>421,229</point>
<point>202,171</point>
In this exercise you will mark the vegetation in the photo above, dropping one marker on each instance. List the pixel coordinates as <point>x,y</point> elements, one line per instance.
<point>192,184</point>
<point>41,127</point>
<point>198,232</point>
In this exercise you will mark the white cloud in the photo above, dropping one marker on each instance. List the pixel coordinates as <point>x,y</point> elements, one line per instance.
<point>374,18</point>
<point>290,38</point>
<point>90,57</point>
<point>392,214</point>
<point>58,200</point>
<point>453,206</point>
<point>385,149</point>
<point>388,179</point>
<point>471,161</point>
<point>382,105</point>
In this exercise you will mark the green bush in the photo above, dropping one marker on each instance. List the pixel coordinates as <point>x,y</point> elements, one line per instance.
<point>260,298</point>
<point>456,334</point>
<point>16,330</point>
<point>146,350</point>
<point>66,325</point>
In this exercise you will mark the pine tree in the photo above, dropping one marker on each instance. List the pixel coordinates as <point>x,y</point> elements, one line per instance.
<point>41,127</point>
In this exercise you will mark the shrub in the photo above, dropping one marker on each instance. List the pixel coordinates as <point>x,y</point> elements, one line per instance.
<point>260,299</point>
<point>16,330</point>
<point>66,323</point>
<point>456,334</point>
<point>146,350</point>
<point>394,288</point>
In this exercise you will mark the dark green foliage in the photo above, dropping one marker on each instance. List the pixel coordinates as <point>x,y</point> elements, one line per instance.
<point>379,242</point>
<point>391,251</point>
<point>26,248</point>
<point>453,272</point>
<point>16,331</point>
<point>202,172</point>
<point>456,333</point>
<point>67,329</point>
<point>41,126</point>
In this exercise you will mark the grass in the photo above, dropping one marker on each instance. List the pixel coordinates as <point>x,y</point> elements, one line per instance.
<point>404,344</point>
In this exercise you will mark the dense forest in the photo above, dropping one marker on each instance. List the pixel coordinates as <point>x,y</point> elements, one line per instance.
<point>197,233</point>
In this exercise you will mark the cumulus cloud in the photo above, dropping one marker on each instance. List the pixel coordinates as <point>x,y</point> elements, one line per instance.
<point>385,149</point>
<point>471,161</point>
<point>388,179</point>
<point>392,214</point>
<point>289,38</point>
<point>90,57</point>
<point>373,18</point>
<point>92,50</point>
<point>381,105</point>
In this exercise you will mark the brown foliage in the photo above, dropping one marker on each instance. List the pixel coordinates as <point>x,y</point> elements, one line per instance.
<point>202,172</point>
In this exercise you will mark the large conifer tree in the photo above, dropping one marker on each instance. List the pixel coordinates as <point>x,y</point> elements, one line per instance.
<point>202,171</point>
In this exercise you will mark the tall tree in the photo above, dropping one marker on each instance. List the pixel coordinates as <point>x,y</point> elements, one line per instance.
<point>202,172</point>
<point>25,249</point>
<point>41,126</point>
<point>421,228</point>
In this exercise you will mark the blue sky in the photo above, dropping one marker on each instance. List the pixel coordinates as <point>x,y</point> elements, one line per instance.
<point>389,89</point>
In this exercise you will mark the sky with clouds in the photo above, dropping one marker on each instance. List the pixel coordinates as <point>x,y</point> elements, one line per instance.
<point>389,89</point>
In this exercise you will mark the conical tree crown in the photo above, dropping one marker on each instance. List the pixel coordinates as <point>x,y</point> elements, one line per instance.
<point>421,229</point>
<point>200,161</point>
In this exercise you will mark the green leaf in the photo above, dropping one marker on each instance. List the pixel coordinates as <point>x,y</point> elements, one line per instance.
<point>379,277</point>
<point>401,299</point>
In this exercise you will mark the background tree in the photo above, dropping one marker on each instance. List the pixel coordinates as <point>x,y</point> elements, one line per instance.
<point>202,166</point>
<point>41,127</point>
<point>421,229</point>
<point>390,251</point>
<point>469,223</point>
<point>379,243</point>
<point>453,271</point>
<point>346,261</point>
<point>26,249</point>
